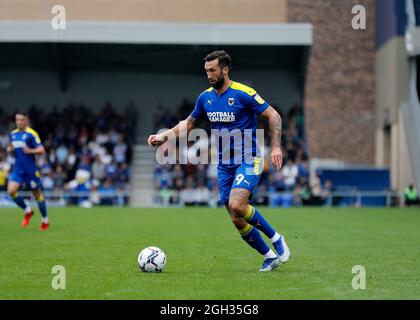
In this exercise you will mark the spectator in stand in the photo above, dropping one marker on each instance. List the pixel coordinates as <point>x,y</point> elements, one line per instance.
<point>276,181</point>
<point>95,195</point>
<point>212,176</point>
<point>115,137</point>
<point>177,173</point>
<point>120,151</point>
<point>61,154</point>
<point>52,159</point>
<point>176,194</point>
<point>83,136</point>
<point>316,189</point>
<point>303,169</point>
<point>289,173</point>
<point>47,181</point>
<point>94,148</point>
<point>188,195</point>
<point>162,176</point>
<point>59,177</point>
<point>410,196</point>
<point>175,198</point>
<point>291,151</point>
<point>98,169</point>
<point>4,137</point>
<point>201,172</point>
<point>111,171</point>
<point>107,158</point>
<point>326,192</point>
<point>302,194</point>
<point>122,176</point>
<point>107,192</point>
<point>202,194</point>
<point>190,170</point>
<point>84,164</point>
<point>71,159</point>
<point>102,137</point>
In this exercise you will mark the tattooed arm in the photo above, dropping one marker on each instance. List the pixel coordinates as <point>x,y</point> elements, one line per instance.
<point>275,125</point>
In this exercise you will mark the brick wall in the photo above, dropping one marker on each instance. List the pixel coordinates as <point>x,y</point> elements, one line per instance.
<point>339,94</point>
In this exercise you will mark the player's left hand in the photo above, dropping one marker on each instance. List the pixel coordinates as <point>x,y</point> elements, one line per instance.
<point>276,158</point>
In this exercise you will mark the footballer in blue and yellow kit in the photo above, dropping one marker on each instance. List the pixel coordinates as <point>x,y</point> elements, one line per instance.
<point>235,110</point>
<point>232,109</point>
<point>25,144</point>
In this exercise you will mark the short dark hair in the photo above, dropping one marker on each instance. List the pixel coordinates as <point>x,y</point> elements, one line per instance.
<point>22,113</point>
<point>223,57</point>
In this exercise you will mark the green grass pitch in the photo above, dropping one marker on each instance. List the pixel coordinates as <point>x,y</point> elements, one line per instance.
<point>207,258</point>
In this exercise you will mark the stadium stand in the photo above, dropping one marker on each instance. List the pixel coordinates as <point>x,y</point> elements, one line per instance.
<point>85,151</point>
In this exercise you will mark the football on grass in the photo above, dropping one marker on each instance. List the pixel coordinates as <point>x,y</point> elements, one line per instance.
<point>152,259</point>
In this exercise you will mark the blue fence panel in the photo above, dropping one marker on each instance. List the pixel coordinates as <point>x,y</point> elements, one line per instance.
<point>358,180</point>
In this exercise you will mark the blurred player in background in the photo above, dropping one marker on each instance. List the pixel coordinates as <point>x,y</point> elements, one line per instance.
<point>26,145</point>
<point>231,105</point>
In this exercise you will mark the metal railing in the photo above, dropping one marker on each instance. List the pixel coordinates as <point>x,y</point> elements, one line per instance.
<point>273,199</point>
<point>78,198</point>
<point>352,198</point>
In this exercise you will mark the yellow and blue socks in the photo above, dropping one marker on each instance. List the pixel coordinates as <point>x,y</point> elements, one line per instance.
<point>253,237</point>
<point>255,218</point>
<point>20,201</point>
<point>42,205</point>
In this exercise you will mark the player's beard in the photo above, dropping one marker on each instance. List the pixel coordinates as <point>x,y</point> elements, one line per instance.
<point>219,83</point>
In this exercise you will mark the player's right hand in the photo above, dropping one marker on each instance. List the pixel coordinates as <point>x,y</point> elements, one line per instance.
<point>155,140</point>
<point>10,148</point>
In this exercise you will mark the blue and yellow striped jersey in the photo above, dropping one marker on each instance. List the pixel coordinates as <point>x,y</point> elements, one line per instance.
<point>20,138</point>
<point>233,113</point>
